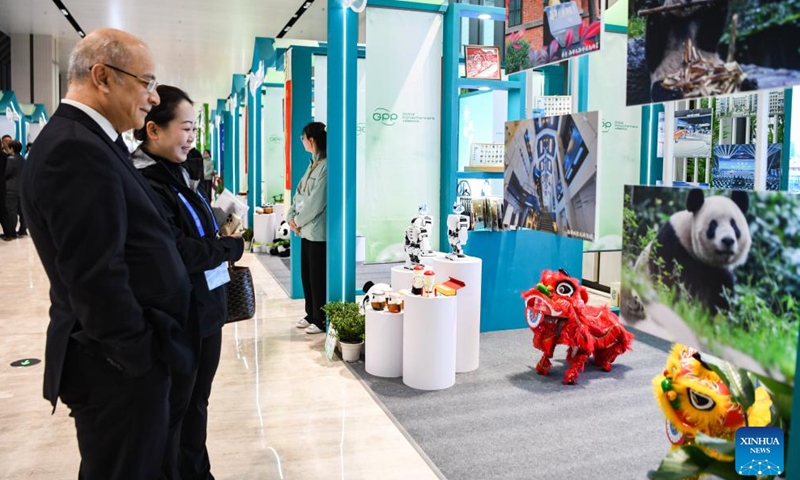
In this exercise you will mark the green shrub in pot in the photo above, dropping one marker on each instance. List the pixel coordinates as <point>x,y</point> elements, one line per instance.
<point>346,319</point>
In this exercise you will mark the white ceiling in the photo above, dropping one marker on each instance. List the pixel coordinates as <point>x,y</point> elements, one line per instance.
<point>197,44</point>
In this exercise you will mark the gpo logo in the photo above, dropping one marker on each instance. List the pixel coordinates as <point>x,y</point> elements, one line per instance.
<point>275,138</point>
<point>360,129</point>
<point>606,126</point>
<point>384,116</point>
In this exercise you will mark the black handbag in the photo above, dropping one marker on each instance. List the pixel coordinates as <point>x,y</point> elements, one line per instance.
<point>241,294</point>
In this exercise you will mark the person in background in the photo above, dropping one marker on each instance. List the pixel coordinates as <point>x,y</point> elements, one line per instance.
<point>8,230</point>
<point>307,218</point>
<point>118,286</point>
<point>13,172</point>
<point>4,148</point>
<point>208,172</point>
<point>167,137</point>
<point>194,165</point>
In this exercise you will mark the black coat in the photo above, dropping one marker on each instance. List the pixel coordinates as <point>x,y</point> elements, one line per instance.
<point>13,172</point>
<point>118,284</point>
<point>209,307</point>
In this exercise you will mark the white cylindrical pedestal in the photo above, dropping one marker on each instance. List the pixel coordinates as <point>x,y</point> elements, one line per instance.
<point>401,276</point>
<point>264,228</point>
<point>468,335</point>
<point>384,343</point>
<point>429,342</point>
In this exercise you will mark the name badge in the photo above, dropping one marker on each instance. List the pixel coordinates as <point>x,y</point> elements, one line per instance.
<point>218,276</point>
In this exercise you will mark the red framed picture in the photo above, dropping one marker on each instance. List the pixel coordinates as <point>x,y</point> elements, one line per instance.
<point>482,61</point>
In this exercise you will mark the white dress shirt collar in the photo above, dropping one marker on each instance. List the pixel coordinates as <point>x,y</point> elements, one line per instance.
<point>96,116</point>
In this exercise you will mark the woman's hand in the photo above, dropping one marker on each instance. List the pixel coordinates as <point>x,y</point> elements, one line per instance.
<point>294,227</point>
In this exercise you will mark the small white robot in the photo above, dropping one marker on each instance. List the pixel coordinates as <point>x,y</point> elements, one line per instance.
<point>457,228</point>
<point>417,238</point>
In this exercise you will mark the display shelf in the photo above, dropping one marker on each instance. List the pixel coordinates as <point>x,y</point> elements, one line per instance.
<point>485,169</point>
<point>475,83</point>
<point>498,175</point>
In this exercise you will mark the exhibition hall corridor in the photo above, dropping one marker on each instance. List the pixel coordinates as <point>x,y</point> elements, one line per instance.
<point>279,409</point>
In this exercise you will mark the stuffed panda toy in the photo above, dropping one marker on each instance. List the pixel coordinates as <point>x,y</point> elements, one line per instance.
<point>368,290</point>
<point>705,242</point>
<point>281,245</point>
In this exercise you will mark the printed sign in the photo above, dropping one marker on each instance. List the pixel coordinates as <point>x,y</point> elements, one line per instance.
<point>759,451</point>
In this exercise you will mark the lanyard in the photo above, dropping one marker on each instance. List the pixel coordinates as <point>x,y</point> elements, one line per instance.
<point>196,218</point>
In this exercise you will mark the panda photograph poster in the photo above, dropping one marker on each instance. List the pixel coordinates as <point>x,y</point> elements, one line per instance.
<point>550,178</point>
<point>679,49</point>
<point>716,270</point>
<point>539,32</point>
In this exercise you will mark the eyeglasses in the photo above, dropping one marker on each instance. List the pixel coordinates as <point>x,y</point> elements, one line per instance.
<point>149,83</point>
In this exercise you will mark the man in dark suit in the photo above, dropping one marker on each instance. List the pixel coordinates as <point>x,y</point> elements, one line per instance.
<point>118,287</point>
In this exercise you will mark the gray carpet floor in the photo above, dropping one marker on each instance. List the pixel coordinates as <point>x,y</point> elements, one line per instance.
<point>504,421</point>
<point>281,270</point>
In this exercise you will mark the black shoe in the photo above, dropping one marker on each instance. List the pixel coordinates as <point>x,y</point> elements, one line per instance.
<point>22,233</point>
<point>7,238</point>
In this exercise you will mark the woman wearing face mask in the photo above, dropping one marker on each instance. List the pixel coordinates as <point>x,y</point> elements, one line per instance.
<point>167,137</point>
<point>307,218</point>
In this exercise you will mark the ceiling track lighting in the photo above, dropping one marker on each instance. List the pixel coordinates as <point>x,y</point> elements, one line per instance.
<point>300,11</point>
<point>71,19</point>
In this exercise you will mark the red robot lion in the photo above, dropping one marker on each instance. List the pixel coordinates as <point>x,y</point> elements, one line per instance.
<point>557,313</point>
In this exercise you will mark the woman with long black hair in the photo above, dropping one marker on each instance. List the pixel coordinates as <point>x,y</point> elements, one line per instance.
<point>307,218</point>
<point>167,137</point>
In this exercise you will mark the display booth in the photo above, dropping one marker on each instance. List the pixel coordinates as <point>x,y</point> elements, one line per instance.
<point>609,155</point>
<point>36,118</point>
<point>12,121</point>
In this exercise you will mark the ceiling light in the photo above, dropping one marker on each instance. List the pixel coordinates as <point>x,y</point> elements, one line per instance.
<point>307,4</point>
<point>80,32</point>
<point>483,89</point>
<point>484,16</point>
<point>286,29</point>
<point>65,12</point>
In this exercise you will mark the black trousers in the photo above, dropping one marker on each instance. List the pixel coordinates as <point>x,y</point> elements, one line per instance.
<point>121,422</point>
<point>187,456</point>
<point>8,229</point>
<point>14,211</point>
<point>313,271</point>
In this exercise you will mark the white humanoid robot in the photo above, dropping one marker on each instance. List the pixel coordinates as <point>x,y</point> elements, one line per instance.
<point>457,227</point>
<point>417,238</point>
<point>424,224</point>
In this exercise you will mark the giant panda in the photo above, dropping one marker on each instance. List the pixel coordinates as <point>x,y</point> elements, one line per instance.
<point>666,35</point>
<point>707,241</point>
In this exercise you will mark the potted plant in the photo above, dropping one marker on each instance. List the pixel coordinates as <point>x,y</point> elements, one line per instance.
<point>348,324</point>
<point>247,235</point>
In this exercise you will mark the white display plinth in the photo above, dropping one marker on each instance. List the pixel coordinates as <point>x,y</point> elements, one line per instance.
<point>265,226</point>
<point>361,248</point>
<point>401,276</point>
<point>468,270</point>
<point>429,342</point>
<point>384,345</point>
<point>277,209</point>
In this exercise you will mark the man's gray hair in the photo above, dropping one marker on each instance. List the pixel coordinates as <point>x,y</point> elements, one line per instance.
<point>94,49</point>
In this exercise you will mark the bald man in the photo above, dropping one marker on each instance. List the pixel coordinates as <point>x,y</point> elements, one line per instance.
<point>118,287</point>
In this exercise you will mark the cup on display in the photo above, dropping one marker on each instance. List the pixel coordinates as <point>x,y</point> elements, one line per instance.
<point>394,303</point>
<point>428,284</point>
<point>378,299</point>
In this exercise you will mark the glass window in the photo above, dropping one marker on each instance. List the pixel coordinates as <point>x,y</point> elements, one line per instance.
<point>514,13</point>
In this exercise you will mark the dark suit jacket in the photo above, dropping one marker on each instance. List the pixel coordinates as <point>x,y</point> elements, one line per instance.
<point>13,171</point>
<point>117,282</point>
